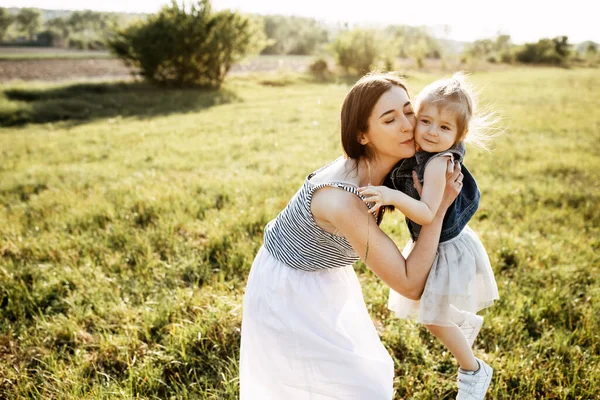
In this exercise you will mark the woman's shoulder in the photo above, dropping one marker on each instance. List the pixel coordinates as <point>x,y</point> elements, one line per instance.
<point>332,203</point>
<point>336,172</point>
<point>335,191</point>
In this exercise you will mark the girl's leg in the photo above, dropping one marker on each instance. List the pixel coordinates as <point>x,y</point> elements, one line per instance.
<point>457,316</point>
<point>455,341</point>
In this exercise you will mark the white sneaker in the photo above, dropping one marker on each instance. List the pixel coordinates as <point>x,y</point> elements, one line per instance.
<point>471,326</point>
<point>472,385</point>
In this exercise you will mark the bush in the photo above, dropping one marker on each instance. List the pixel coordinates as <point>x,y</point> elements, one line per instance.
<point>77,44</point>
<point>555,51</point>
<point>357,50</point>
<point>96,44</point>
<point>181,48</point>
<point>49,38</point>
<point>319,69</point>
<point>507,57</point>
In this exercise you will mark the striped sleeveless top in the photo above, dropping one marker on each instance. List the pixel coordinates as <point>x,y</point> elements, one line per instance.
<point>295,239</point>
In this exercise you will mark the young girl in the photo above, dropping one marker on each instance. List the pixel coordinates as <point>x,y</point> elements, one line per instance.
<point>461,281</point>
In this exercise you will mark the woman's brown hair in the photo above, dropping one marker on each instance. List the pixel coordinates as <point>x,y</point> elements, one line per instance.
<point>357,108</point>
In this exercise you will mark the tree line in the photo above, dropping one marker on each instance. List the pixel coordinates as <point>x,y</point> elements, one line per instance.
<point>194,45</point>
<point>78,29</point>
<point>287,35</point>
<point>548,51</point>
<point>290,35</point>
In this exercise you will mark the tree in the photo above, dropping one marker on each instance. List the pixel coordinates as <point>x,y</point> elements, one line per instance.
<point>193,47</point>
<point>91,22</point>
<point>562,47</point>
<point>480,48</point>
<point>293,35</point>
<point>498,49</point>
<point>418,51</point>
<point>359,50</point>
<point>6,21</point>
<point>503,42</point>
<point>413,42</point>
<point>29,21</point>
<point>59,25</point>
<point>90,29</point>
<point>505,49</point>
<point>56,34</point>
<point>591,50</point>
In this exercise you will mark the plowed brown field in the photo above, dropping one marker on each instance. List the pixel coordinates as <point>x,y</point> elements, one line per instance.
<point>91,69</point>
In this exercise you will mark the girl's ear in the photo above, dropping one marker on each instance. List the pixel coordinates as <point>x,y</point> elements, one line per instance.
<point>362,138</point>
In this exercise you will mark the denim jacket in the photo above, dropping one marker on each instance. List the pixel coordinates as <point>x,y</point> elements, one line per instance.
<point>461,210</point>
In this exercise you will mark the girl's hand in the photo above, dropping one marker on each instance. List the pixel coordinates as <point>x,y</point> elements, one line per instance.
<point>380,195</point>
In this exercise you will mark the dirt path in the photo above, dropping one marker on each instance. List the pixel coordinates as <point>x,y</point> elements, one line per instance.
<point>61,69</point>
<point>75,69</point>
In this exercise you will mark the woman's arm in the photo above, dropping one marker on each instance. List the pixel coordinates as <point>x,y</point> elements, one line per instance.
<point>352,219</point>
<point>421,211</point>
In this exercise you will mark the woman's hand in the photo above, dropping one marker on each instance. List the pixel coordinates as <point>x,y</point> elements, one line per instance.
<point>453,187</point>
<point>380,195</point>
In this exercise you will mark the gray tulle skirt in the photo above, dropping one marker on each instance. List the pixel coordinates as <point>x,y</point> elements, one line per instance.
<point>461,276</point>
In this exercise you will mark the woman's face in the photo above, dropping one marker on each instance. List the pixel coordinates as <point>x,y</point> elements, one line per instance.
<point>391,125</point>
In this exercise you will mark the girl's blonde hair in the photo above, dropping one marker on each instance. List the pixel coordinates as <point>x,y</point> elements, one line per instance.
<point>458,96</point>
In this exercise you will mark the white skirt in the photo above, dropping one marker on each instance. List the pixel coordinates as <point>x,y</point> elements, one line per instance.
<point>461,276</point>
<point>308,335</point>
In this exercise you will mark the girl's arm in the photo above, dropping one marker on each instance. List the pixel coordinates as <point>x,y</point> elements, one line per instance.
<point>421,211</point>
<point>353,220</point>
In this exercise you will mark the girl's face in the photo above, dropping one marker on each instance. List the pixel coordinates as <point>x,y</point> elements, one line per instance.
<point>436,129</point>
<point>391,124</point>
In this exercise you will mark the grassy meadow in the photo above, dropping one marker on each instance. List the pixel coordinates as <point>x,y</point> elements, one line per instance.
<point>128,230</point>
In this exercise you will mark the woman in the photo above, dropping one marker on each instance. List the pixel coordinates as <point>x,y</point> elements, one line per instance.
<point>306,332</point>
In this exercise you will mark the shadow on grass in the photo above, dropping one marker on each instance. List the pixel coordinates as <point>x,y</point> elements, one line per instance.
<point>80,103</point>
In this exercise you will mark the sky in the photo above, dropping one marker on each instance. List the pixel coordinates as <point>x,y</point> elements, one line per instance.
<point>464,20</point>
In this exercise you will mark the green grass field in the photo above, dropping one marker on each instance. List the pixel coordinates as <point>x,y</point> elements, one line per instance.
<point>128,230</point>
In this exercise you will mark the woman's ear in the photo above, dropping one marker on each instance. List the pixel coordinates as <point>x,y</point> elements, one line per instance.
<point>362,138</point>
